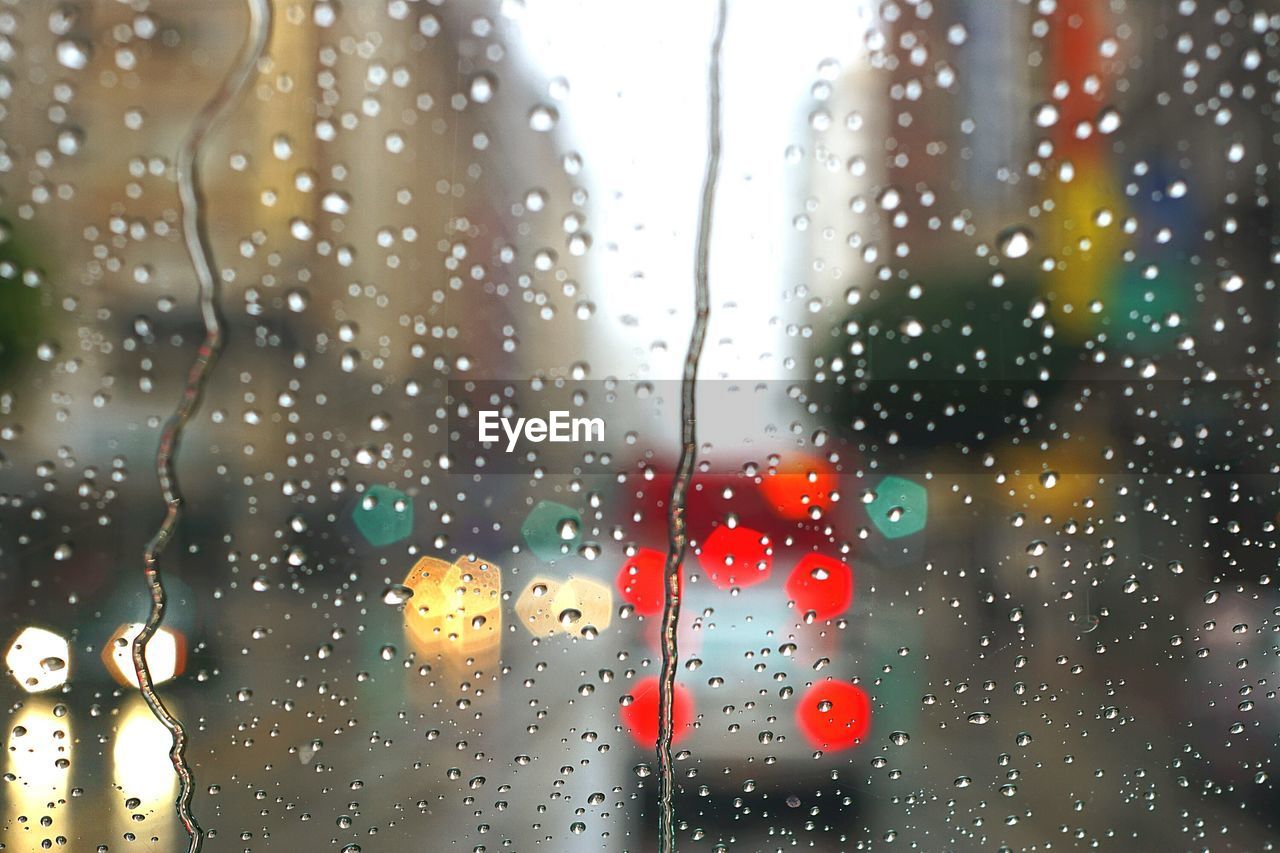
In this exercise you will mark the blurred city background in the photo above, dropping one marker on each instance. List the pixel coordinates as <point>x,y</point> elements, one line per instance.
<point>983,531</point>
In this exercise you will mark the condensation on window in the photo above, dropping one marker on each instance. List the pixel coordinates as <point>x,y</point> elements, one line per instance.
<point>494,425</point>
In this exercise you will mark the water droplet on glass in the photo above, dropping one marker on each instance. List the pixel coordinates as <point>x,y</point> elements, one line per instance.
<point>1014,242</point>
<point>543,118</point>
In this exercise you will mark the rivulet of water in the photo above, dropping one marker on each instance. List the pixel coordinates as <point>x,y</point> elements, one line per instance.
<point>195,232</point>
<point>676,537</point>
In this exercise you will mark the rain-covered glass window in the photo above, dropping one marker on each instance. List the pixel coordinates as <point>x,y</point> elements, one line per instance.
<point>512,425</point>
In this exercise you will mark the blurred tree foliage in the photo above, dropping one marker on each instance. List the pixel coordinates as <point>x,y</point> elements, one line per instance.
<point>20,308</point>
<point>958,366</point>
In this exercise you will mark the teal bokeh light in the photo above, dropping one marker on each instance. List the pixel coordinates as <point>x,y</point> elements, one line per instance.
<point>900,508</point>
<point>552,530</point>
<point>383,515</point>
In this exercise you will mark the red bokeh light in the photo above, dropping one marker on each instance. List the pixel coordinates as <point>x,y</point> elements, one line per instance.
<point>834,715</point>
<point>641,716</point>
<point>724,491</point>
<point>641,581</point>
<point>736,556</point>
<point>821,584</point>
<point>798,484</point>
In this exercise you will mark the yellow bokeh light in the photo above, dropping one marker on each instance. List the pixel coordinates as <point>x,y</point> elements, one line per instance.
<point>166,655</point>
<point>140,758</point>
<point>535,606</point>
<point>589,597</point>
<point>577,604</point>
<point>456,608</point>
<point>39,659</point>
<point>1056,491</point>
<point>39,773</point>
<point>40,752</point>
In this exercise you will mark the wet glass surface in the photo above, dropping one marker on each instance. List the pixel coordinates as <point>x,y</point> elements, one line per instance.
<point>921,352</point>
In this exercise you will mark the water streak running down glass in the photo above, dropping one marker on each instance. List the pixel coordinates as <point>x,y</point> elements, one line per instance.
<point>676,509</point>
<point>195,231</point>
<point>376,329</point>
